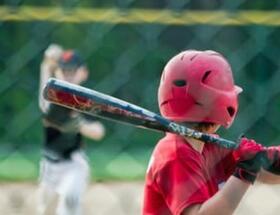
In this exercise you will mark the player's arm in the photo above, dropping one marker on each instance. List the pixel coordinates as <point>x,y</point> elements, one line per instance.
<point>225,201</point>
<point>267,177</point>
<point>45,74</point>
<point>92,129</point>
<point>47,68</point>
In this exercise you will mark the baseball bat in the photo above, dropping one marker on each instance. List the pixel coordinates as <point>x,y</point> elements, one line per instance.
<point>101,105</point>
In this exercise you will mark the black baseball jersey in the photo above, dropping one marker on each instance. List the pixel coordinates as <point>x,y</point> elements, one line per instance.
<point>61,128</point>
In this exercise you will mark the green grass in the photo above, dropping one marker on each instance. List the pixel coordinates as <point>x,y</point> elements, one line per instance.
<point>104,166</point>
<point>17,167</point>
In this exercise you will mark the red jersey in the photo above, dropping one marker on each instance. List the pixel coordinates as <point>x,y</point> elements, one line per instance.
<point>179,176</point>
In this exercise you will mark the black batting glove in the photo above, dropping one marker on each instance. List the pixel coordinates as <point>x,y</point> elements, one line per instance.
<point>271,159</point>
<point>249,160</point>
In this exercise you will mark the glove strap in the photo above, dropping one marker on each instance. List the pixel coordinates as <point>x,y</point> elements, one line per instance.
<point>245,175</point>
<point>271,163</point>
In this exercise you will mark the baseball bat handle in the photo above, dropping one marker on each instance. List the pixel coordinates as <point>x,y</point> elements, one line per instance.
<point>220,141</point>
<point>188,132</point>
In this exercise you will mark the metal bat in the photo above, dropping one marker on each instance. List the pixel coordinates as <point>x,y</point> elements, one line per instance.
<point>98,104</point>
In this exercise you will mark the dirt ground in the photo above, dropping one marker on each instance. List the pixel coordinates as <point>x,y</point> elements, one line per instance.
<point>125,198</point>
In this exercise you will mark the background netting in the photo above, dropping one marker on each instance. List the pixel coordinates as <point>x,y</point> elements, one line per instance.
<point>126,44</point>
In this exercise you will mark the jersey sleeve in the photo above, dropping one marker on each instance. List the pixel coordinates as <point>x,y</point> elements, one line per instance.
<point>228,163</point>
<point>182,184</point>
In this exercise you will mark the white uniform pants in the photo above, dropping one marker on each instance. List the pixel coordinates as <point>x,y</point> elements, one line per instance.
<point>62,185</point>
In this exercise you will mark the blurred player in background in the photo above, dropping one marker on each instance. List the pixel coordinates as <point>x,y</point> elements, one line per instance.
<point>64,172</point>
<point>191,177</point>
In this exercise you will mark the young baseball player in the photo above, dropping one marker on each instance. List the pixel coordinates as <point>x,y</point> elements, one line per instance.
<point>64,172</point>
<point>191,177</point>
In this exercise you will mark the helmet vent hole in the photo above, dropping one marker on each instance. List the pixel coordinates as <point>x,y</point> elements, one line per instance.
<point>231,111</point>
<point>180,83</point>
<point>182,57</point>
<point>193,57</point>
<point>205,76</point>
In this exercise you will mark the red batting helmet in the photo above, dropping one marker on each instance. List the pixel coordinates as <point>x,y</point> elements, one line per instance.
<point>198,86</point>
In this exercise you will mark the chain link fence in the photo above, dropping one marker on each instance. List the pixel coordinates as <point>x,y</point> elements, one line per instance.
<point>126,46</point>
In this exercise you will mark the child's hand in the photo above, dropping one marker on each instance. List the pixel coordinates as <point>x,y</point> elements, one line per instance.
<point>248,156</point>
<point>53,52</point>
<point>51,56</point>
